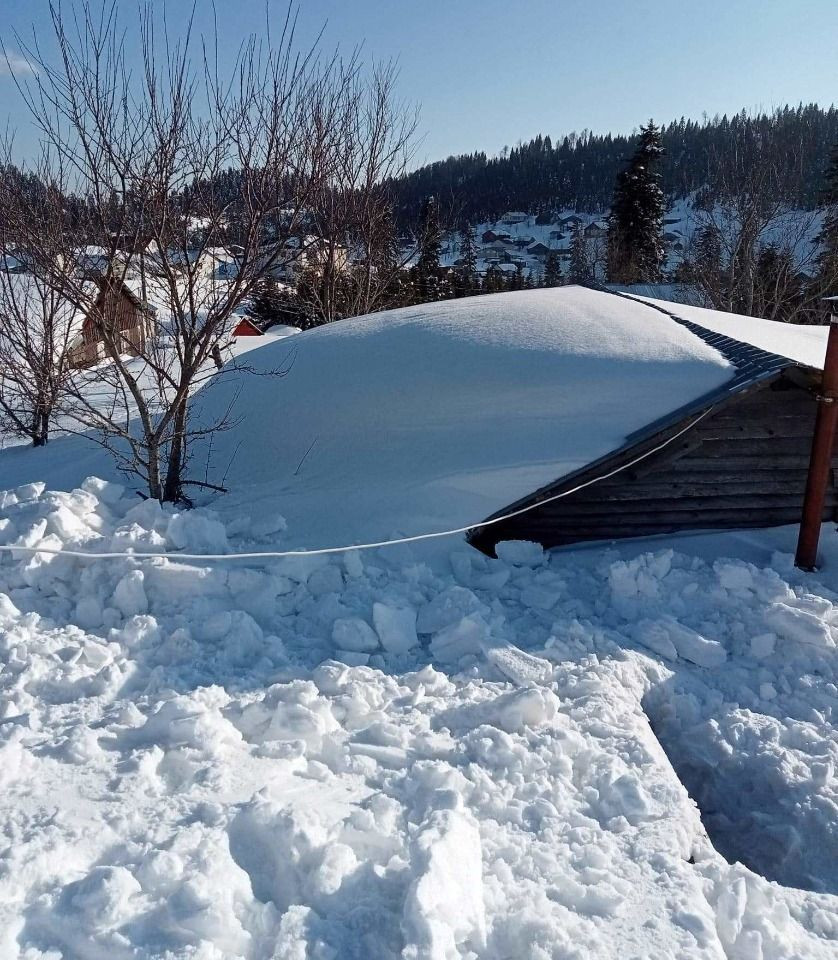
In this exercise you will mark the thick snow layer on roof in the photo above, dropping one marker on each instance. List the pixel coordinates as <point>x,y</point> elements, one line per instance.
<point>438,415</point>
<point>803,344</point>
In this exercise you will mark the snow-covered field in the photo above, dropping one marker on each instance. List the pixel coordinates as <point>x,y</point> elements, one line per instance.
<point>413,752</point>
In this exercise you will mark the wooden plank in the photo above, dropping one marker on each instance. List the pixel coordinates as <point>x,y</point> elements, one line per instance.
<point>700,478</point>
<point>791,400</point>
<point>746,429</point>
<point>777,447</point>
<point>604,508</point>
<point>711,487</point>
<point>722,519</point>
<point>737,464</point>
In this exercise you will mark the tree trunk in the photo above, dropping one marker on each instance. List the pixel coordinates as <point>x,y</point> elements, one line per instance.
<point>177,450</point>
<point>154,487</point>
<point>40,425</point>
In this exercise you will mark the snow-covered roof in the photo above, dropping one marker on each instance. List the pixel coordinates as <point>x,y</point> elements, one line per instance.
<point>801,344</point>
<point>675,292</point>
<point>440,414</point>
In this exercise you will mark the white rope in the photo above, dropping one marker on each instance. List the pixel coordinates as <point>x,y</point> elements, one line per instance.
<point>278,554</point>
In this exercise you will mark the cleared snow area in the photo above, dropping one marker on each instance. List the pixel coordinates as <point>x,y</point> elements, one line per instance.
<point>403,754</point>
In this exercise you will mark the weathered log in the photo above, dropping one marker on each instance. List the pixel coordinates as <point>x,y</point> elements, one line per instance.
<point>710,487</point>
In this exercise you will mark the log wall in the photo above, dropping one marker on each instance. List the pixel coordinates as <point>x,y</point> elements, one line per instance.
<point>744,465</point>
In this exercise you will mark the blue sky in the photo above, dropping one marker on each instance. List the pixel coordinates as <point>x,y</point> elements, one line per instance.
<point>488,73</point>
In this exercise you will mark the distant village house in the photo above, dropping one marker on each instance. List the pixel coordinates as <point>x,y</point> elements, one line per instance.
<point>118,313</point>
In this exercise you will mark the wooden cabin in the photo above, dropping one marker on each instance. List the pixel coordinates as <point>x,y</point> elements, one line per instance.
<point>247,328</point>
<point>117,310</point>
<point>735,458</point>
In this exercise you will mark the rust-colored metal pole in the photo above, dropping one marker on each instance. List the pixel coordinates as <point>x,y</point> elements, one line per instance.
<point>820,462</point>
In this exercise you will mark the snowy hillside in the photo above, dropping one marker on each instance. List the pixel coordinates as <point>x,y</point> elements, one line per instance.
<point>524,243</point>
<point>415,752</point>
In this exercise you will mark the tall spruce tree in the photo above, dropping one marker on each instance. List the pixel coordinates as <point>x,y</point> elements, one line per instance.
<point>581,270</point>
<point>827,267</point>
<point>635,243</point>
<point>466,281</point>
<point>552,270</point>
<point>428,273</point>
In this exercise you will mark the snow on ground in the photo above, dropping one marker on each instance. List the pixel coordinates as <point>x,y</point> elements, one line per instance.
<point>410,754</point>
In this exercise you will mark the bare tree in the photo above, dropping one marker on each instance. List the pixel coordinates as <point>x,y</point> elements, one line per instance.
<point>358,262</point>
<point>148,157</point>
<point>750,251</point>
<point>36,329</point>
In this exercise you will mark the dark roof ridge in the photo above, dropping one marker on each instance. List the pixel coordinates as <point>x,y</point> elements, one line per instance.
<point>752,365</point>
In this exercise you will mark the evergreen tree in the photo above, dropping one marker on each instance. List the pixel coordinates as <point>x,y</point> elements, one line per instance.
<point>493,281</point>
<point>385,257</point>
<point>552,270</point>
<point>268,306</point>
<point>702,267</point>
<point>465,276</point>
<point>635,244</point>
<point>428,273</point>
<point>516,280</point>
<point>826,279</point>
<point>581,270</point>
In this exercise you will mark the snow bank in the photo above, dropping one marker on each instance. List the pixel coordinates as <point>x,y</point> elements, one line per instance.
<point>190,771</point>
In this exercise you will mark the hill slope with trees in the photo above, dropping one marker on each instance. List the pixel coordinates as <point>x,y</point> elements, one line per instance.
<point>579,170</point>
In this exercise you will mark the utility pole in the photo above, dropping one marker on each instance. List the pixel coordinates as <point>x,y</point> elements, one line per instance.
<point>820,462</point>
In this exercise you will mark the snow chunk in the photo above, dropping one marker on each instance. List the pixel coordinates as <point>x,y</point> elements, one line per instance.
<point>29,491</point>
<point>267,526</point>
<point>458,640</point>
<point>762,646</point>
<point>8,611</point>
<point>395,626</point>
<point>801,626</point>
<point>444,914</point>
<point>325,580</point>
<point>448,608</point>
<point>527,707</point>
<point>104,490</point>
<point>129,595</point>
<point>195,532</point>
<point>520,553</point>
<point>355,634</point>
<point>521,668</point>
<point>102,897</point>
<point>671,639</point>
